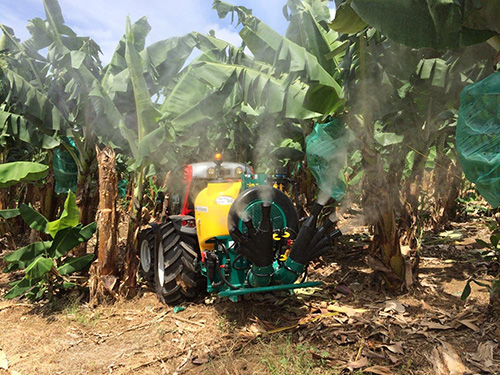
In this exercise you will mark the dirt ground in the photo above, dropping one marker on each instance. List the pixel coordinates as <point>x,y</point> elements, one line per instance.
<point>348,326</point>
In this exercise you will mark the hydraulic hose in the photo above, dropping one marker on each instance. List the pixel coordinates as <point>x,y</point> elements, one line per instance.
<point>222,275</point>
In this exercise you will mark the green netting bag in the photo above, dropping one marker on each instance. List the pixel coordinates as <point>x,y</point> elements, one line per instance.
<point>478,136</point>
<point>122,188</point>
<point>65,169</point>
<point>326,150</point>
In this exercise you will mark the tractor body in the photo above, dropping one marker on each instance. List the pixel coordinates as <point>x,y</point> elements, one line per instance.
<point>230,231</point>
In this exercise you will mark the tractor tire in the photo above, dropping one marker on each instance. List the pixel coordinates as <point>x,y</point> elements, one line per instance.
<point>146,254</point>
<point>177,276</point>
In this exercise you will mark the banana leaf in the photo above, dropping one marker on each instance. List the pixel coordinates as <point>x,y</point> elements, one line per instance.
<point>346,20</point>
<point>36,106</point>
<point>20,287</point>
<point>66,239</point>
<point>147,115</point>
<point>287,57</point>
<point>70,216</point>
<point>9,213</point>
<point>71,265</point>
<point>15,126</point>
<point>307,28</point>
<point>22,257</point>
<point>33,218</point>
<point>21,171</point>
<point>249,86</point>
<point>39,267</point>
<point>438,24</point>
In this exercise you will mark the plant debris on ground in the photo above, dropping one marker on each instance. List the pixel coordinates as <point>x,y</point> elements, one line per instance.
<point>347,326</point>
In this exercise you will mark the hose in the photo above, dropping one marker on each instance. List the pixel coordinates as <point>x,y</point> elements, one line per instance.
<point>239,268</point>
<point>222,276</point>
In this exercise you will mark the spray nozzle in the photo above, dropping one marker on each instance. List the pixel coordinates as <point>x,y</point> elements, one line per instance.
<point>311,241</point>
<point>335,234</point>
<point>265,223</point>
<point>257,244</point>
<point>316,209</point>
<point>249,225</point>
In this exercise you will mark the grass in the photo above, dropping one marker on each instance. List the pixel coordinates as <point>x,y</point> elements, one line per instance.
<point>278,355</point>
<point>287,358</point>
<point>80,315</point>
<point>225,324</point>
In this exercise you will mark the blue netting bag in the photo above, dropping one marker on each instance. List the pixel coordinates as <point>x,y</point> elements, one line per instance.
<point>326,150</point>
<point>65,169</point>
<point>478,136</point>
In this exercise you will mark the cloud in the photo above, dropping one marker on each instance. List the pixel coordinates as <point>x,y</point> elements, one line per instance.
<point>228,35</point>
<point>104,21</point>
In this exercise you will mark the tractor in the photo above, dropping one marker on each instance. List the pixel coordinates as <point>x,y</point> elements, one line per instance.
<point>233,232</point>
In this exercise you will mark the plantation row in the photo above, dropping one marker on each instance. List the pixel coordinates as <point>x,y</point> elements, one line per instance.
<point>389,79</point>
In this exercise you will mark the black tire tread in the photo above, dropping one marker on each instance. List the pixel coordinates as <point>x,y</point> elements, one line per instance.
<point>180,252</point>
<point>147,234</point>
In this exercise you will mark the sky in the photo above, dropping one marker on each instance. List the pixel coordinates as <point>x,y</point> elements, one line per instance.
<point>104,20</point>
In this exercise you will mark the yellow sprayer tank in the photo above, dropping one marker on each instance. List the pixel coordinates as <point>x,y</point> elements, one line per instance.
<point>211,209</point>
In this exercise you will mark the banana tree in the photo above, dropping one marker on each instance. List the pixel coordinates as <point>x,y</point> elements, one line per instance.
<point>423,94</point>
<point>284,87</point>
<point>416,97</point>
<point>441,25</point>
<point>147,117</point>
<point>127,108</point>
<point>51,92</point>
<point>261,92</point>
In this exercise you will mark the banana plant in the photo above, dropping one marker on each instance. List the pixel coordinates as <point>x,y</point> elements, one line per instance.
<point>126,104</point>
<point>324,94</point>
<point>49,77</point>
<point>226,87</point>
<point>147,117</point>
<point>416,98</point>
<point>441,25</point>
<point>46,264</point>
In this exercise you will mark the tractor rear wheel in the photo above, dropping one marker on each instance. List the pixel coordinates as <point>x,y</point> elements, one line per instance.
<point>176,274</point>
<point>146,254</point>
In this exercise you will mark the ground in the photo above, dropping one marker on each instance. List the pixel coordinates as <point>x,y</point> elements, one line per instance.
<point>348,326</point>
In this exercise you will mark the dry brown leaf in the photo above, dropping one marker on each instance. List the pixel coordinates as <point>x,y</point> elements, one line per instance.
<point>393,358</point>
<point>372,354</point>
<point>485,351</point>
<point>358,364</point>
<point>393,305</point>
<point>469,314</point>
<point>200,360</point>
<point>376,264</point>
<point>256,328</point>
<point>349,311</point>
<point>400,320</point>
<point>483,358</point>
<point>405,250</point>
<point>244,335</point>
<point>380,370</point>
<point>4,364</point>
<point>446,360</point>
<point>469,324</point>
<point>433,325</point>
<point>397,347</point>
<point>425,305</point>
